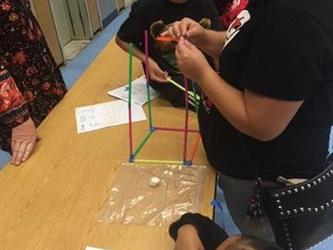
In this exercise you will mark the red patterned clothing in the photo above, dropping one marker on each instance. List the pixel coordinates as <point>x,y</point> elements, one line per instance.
<point>30,83</point>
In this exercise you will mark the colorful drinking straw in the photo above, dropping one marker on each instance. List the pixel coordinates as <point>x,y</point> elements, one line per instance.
<point>190,98</point>
<point>186,123</point>
<point>147,79</point>
<point>130,50</point>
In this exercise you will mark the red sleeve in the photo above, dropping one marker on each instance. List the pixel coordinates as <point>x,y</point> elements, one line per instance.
<point>13,108</point>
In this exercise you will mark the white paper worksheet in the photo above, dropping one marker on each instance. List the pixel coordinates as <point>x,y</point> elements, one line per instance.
<point>139,92</point>
<point>94,248</point>
<point>102,115</point>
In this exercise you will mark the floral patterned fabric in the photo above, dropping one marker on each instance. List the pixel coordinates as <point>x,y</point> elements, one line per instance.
<point>27,68</point>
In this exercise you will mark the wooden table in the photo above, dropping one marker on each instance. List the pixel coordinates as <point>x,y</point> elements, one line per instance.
<point>53,200</point>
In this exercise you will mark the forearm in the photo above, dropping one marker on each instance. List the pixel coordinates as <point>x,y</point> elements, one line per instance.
<point>232,104</point>
<point>188,239</point>
<point>211,43</point>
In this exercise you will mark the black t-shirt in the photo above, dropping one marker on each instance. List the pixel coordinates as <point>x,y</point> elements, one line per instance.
<point>154,16</point>
<point>284,50</point>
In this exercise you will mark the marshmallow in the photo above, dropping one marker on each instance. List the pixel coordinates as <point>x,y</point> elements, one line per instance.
<point>154,181</point>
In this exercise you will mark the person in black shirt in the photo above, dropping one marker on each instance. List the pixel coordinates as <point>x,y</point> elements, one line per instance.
<point>269,111</point>
<point>154,16</point>
<point>195,231</point>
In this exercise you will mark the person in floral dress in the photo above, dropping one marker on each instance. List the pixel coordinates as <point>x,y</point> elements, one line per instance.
<point>31,85</point>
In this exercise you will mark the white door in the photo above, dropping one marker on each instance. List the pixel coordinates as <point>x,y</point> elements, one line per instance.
<point>62,21</point>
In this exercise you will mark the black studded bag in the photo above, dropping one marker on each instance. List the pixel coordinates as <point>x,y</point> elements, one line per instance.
<point>301,215</point>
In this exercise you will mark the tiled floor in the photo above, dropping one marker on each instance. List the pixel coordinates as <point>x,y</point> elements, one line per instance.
<point>74,68</point>
<point>73,48</point>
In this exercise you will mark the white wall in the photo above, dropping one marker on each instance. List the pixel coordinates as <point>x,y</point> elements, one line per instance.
<point>107,7</point>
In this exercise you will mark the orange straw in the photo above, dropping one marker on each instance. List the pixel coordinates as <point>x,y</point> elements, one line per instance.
<point>196,146</point>
<point>166,39</point>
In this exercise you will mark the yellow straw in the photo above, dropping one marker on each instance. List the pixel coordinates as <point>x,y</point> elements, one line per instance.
<point>157,161</point>
<point>182,88</point>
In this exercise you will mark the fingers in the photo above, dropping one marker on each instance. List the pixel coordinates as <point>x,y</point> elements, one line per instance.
<point>177,51</point>
<point>189,45</point>
<point>156,73</point>
<point>190,60</point>
<point>182,47</point>
<point>15,148</point>
<point>184,28</point>
<point>173,30</point>
<point>28,151</point>
<point>176,30</point>
<point>160,77</point>
<point>21,151</point>
<point>190,28</point>
<point>24,138</point>
<point>165,75</point>
<point>165,33</point>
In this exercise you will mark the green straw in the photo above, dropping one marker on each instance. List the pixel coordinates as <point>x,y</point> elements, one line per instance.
<point>130,50</point>
<point>143,143</point>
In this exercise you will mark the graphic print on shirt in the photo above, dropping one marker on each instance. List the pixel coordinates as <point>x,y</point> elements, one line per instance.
<point>231,10</point>
<point>233,30</point>
<point>166,49</point>
<point>236,25</point>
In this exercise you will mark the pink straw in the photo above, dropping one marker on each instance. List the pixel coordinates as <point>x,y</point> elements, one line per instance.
<point>186,119</point>
<point>130,50</point>
<point>147,80</point>
<point>177,129</point>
